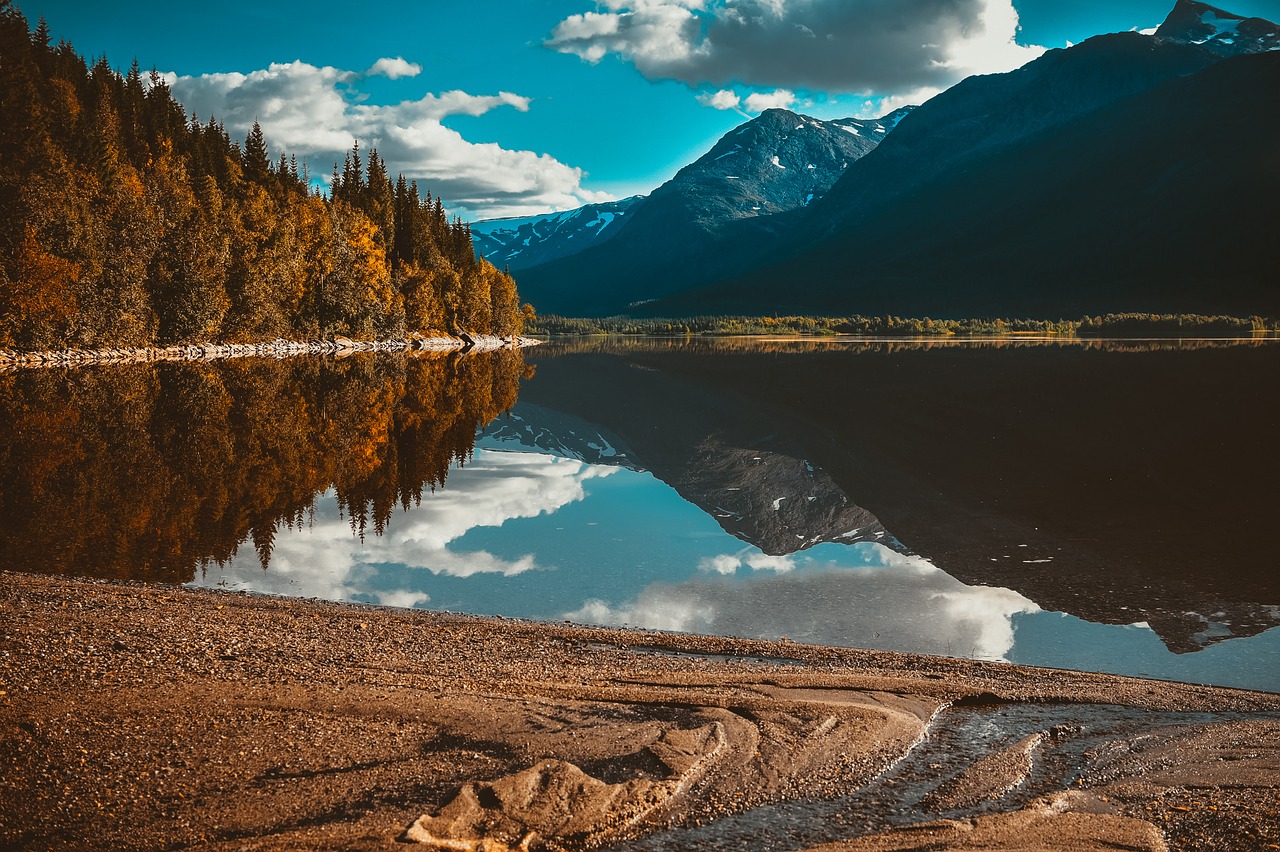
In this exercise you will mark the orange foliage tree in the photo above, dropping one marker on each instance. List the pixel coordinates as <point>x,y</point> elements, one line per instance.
<point>123,222</point>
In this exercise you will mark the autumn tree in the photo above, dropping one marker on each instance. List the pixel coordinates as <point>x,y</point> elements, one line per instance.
<point>126,222</point>
<point>36,305</point>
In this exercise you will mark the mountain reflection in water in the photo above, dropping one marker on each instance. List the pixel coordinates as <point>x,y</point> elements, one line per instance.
<point>1082,506</point>
<point>1123,482</point>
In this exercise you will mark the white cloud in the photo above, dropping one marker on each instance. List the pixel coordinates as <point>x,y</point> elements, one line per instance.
<point>858,47</point>
<point>394,68</point>
<point>723,99</point>
<point>724,564</point>
<point>761,101</point>
<point>755,102</point>
<point>318,112</point>
<point>492,489</point>
<point>877,107</point>
<point>662,613</point>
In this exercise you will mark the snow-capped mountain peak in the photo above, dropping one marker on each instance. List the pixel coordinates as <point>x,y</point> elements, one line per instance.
<point>1225,33</point>
<point>524,241</point>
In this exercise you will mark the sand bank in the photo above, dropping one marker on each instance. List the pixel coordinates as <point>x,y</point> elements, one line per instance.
<point>142,717</point>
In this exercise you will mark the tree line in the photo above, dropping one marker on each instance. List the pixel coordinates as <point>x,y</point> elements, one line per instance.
<point>1119,325</point>
<point>124,222</point>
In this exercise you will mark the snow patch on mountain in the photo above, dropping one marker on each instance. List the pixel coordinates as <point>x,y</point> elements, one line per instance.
<point>1225,33</point>
<point>525,241</point>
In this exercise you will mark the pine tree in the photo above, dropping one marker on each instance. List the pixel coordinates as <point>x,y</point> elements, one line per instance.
<point>131,105</point>
<point>379,201</point>
<point>257,162</point>
<point>40,38</point>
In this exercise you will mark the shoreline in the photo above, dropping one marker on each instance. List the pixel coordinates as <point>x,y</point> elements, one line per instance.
<point>140,716</point>
<point>280,348</point>
<point>966,337</point>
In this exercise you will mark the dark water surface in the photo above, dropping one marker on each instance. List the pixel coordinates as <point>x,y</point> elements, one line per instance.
<point>1103,506</point>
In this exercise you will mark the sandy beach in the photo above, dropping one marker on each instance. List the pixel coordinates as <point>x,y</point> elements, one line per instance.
<point>145,717</point>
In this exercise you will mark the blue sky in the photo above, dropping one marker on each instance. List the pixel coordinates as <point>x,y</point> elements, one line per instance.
<point>509,107</point>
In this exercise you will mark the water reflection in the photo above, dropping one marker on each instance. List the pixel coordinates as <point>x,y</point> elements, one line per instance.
<point>494,541</point>
<point>851,345</point>
<point>1072,505</point>
<point>619,547</point>
<point>893,601</point>
<point>1121,481</point>
<point>151,471</point>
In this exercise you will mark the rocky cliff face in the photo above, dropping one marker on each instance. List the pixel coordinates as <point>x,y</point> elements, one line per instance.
<point>775,163</point>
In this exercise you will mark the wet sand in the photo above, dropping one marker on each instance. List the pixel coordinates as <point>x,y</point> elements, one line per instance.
<point>149,717</point>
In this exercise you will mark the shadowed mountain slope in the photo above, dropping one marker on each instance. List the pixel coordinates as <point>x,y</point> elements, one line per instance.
<point>715,214</point>
<point>1159,201</point>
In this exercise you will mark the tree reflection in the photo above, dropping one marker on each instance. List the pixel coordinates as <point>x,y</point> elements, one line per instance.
<point>147,472</point>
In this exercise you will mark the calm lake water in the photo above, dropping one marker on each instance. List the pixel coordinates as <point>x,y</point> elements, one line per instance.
<point>1101,506</point>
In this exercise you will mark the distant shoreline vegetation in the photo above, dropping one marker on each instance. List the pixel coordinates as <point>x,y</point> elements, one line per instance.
<point>1118,325</point>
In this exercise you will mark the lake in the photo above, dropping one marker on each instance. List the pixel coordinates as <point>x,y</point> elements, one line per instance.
<point>1105,506</point>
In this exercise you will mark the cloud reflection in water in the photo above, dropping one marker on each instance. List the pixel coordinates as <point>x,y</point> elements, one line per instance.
<point>325,560</point>
<point>861,595</point>
<point>904,603</point>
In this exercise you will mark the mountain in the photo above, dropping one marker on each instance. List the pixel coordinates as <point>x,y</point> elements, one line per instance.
<point>989,115</point>
<point>1127,173</point>
<point>712,216</point>
<point>519,243</point>
<point>1222,32</point>
<point>777,162</point>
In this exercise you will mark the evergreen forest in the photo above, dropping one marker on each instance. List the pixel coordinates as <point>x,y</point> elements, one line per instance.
<point>125,222</point>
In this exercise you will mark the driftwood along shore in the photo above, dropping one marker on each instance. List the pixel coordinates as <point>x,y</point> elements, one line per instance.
<point>279,348</point>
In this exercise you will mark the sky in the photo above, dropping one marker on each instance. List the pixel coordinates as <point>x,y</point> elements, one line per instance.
<point>519,107</point>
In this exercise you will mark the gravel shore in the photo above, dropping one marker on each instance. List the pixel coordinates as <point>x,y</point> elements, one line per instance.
<point>143,717</point>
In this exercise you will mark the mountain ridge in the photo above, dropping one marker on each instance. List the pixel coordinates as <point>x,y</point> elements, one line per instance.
<point>1007,193</point>
<point>1094,218</point>
<point>520,242</point>
<point>1225,33</point>
<point>754,176</point>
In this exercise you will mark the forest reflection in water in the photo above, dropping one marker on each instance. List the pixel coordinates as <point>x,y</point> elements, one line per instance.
<point>148,472</point>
